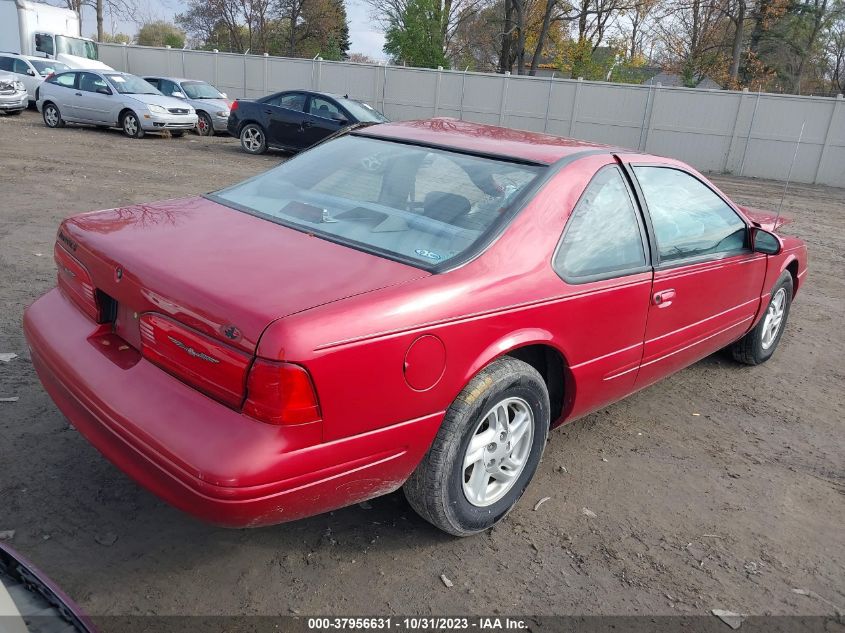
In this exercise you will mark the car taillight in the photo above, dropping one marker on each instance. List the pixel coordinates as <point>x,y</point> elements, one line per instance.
<point>234,106</point>
<point>281,393</point>
<point>75,281</point>
<point>199,360</point>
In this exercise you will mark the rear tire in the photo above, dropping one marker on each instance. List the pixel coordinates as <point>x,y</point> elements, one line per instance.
<point>52,116</point>
<point>483,458</point>
<point>131,125</point>
<point>253,139</point>
<point>760,344</point>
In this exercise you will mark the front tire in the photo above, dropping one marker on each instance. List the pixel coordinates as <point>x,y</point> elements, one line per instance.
<point>486,451</point>
<point>131,125</point>
<point>253,139</point>
<point>52,116</point>
<point>204,125</point>
<point>760,344</point>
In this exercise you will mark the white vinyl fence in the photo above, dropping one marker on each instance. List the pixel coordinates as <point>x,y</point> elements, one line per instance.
<point>741,133</point>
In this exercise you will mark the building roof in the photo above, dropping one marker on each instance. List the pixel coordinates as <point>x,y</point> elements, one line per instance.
<point>483,139</point>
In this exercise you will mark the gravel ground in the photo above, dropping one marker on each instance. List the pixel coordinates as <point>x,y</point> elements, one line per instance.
<point>721,487</point>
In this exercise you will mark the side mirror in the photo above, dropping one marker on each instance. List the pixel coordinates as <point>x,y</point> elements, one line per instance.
<point>340,119</point>
<point>103,90</point>
<point>177,93</point>
<point>766,242</point>
<point>30,72</point>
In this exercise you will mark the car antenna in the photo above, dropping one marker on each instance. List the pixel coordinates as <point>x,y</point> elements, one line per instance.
<point>789,174</point>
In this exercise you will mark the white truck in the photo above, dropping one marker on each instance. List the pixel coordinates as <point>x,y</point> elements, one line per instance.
<point>42,30</point>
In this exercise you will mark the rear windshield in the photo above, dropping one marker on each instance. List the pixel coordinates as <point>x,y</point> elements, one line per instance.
<point>416,204</point>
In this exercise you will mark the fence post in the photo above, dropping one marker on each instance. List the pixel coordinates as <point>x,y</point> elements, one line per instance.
<point>734,131</point>
<point>245,54</point>
<point>823,155</point>
<point>748,138</point>
<point>125,58</point>
<point>384,88</point>
<point>573,115</point>
<point>648,126</point>
<point>463,86</point>
<point>266,63</point>
<point>183,61</point>
<point>437,90</point>
<point>503,100</point>
<point>216,68</point>
<point>548,102</point>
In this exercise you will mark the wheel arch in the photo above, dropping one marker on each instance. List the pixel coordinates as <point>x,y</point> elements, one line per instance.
<point>535,347</point>
<point>792,266</point>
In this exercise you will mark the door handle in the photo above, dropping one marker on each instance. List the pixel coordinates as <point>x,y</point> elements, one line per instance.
<point>306,124</point>
<point>663,299</point>
<point>78,94</point>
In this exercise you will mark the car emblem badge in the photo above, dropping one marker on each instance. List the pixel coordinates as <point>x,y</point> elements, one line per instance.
<point>190,351</point>
<point>231,332</point>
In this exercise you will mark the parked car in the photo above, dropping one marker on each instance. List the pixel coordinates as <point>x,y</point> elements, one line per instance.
<point>13,97</point>
<point>32,603</point>
<point>30,71</point>
<point>324,333</point>
<point>295,120</point>
<point>211,105</point>
<point>112,99</point>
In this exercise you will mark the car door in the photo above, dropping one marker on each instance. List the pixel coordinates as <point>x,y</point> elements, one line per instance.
<point>63,92</point>
<point>603,261</point>
<point>285,114</point>
<point>95,100</point>
<point>26,75</point>
<point>325,117</point>
<point>707,281</point>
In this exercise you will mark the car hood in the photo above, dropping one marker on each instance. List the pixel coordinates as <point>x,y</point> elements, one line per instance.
<point>212,267</point>
<point>162,100</point>
<point>768,220</point>
<point>213,105</point>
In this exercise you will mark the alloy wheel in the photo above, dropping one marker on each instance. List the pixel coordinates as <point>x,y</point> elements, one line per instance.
<point>498,451</point>
<point>252,139</point>
<point>51,116</point>
<point>773,318</point>
<point>130,125</point>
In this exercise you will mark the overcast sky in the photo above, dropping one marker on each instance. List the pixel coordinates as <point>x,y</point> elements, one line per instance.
<point>363,34</point>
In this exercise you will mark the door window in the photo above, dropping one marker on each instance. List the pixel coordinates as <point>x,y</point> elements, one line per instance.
<point>66,79</point>
<point>44,43</point>
<point>20,67</point>
<point>89,82</point>
<point>153,81</point>
<point>602,236</point>
<point>324,108</point>
<point>6,63</point>
<point>689,218</point>
<point>291,101</point>
<point>167,87</point>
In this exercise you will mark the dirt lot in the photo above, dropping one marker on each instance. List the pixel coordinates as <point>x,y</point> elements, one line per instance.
<point>721,487</point>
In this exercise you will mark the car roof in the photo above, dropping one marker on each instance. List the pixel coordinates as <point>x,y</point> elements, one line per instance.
<point>176,79</point>
<point>478,138</point>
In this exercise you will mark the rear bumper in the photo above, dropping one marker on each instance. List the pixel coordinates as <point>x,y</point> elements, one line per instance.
<point>198,455</point>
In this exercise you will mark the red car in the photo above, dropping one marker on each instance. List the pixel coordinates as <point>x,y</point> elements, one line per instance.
<point>411,304</point>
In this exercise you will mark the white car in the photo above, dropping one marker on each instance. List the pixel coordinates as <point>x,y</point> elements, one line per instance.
<point>13,97</point>
<point>30,71</point>
<point>112,99</point>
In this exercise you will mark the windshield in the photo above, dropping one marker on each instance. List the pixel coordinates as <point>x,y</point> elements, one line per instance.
<point>362,111</point>
<point>76,46</point>
<point>47,66</point>
<point>417,204</point>
<point>200,90</point>
<point>131,85</point>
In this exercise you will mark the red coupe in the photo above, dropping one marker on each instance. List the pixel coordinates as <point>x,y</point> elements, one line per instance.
<point>411,304</point>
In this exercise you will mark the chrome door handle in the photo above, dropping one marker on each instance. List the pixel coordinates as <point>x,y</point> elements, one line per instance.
<point>664,298</point>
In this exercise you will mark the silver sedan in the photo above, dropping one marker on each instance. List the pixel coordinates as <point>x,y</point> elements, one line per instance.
<point>211,105</point>
<point>109,98</point>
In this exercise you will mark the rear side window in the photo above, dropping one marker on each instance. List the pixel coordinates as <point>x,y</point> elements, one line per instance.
<point>602,236</point>
<point>20,67</point>
<point>65,79</point>
<point>6,63</point>
<point>292,101</point>
<point>689,219</point>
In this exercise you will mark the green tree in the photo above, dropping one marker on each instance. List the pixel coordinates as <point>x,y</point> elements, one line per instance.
<point>416,36</point>
<point>115,38</point>
<point>161,33</point>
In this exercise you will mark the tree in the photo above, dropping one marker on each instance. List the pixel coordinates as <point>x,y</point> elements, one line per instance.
<point>116,38</point>
<point>416,37</point>
<point>115,8</point>
<point>161,33</point>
